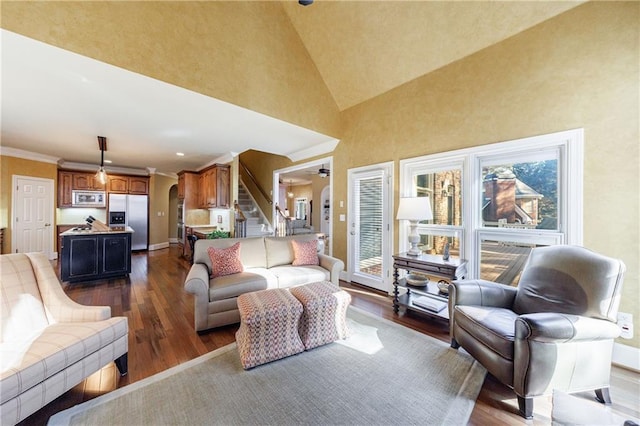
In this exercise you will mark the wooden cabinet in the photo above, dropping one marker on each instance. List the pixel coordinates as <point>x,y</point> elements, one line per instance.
<point>214,187</point>
<point>118,184</point>
<point>189,189</point>
<point>138,185</point>
<point>181,186</point>
<point>224,187</point>
<point>95,256</point>
<point>128,185</point>
<point>86,181</point>
<point>68,181</point>
<point>65,186</point>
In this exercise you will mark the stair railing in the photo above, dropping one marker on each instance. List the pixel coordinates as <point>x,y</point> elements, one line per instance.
<point>266,223</point>
<point>253,180</point>
<point>240,230</point>
<point>283,223</point>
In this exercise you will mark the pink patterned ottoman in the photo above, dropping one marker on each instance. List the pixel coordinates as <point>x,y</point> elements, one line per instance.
<point>268,326</point>
<point>324,316</point>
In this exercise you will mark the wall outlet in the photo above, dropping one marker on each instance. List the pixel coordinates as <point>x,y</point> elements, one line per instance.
<point>625,322</point>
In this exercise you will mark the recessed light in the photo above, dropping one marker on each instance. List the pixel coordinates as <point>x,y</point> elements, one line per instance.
<point>108,161</point>
<point>180,154</point>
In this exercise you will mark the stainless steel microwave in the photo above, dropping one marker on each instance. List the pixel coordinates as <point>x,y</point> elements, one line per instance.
<point>88,198</point>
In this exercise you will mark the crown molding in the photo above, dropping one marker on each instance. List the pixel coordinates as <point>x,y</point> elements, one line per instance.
<point>28,155</point>
<point>109,169</point>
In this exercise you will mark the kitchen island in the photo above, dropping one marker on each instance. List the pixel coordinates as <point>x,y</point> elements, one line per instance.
<point>89,254</point>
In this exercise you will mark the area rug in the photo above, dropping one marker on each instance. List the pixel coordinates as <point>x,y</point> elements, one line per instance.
<point>383,374</point>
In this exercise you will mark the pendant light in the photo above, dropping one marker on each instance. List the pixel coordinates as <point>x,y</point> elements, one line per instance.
<point>101,175</point>
<point>290,193</point>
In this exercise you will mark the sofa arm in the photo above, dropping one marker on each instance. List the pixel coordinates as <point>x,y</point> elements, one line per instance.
<point>481,293</point>
<point>197,283</point>
<point>551,327</point>
<point>59,307</point>
<point>333,265</point>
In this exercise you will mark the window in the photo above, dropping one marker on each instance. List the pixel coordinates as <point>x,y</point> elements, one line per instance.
<point>493,203</point>
<point>520,191</point>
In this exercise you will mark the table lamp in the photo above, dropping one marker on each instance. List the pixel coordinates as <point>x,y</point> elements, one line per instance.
<point>414,209</point>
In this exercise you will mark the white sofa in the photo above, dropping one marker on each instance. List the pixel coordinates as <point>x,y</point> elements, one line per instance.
<point>48,342</point>
<point>267,264</point>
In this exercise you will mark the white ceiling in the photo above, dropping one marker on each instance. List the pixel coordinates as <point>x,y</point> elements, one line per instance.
<point>56,103</point>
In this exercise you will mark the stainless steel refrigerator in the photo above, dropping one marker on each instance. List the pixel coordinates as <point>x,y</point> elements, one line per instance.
<point>133,211</point>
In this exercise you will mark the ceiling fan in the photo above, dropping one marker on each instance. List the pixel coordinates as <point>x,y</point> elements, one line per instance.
<point>323,173</point>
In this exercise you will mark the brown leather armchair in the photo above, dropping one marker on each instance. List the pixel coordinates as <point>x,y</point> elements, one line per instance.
<point>555,330</point>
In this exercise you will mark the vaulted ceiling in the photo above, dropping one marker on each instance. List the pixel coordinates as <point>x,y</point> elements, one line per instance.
<point>360,49</point>
<point>365,48</point>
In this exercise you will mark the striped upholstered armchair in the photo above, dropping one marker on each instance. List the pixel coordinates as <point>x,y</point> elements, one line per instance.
<point>48,342</point>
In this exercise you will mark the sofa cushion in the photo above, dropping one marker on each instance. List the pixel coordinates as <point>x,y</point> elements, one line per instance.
<point>252,251</point>
<point>289,276</point>
<point>252,279</point>
<point>280,251</point>
<point>305,253</point>
<point>22,310</point>
<point>225,261</point>
<point>493,327</point>
<point>56,348</point>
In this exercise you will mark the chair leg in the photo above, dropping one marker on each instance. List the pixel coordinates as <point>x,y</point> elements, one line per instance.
<point>525,405</point>
<point>454,343</point>
<point>603,397</point>
<point>122,363</point>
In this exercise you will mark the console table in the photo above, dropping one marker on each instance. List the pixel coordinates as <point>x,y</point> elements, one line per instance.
<point>426,264</point>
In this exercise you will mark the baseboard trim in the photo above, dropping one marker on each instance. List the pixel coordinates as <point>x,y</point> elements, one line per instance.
<point>173,241</point>
<point>159,246</point>
<point>626,357</point>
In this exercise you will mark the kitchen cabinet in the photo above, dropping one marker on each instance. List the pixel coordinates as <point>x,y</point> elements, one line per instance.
<point>86,181</point>
<point>68,181</point>
<point>61,229</point>
<point>188,189</point>
<point>65,185</point>
<point>94,256</point>
<point>214,187</point>
<point>138,185</point>
<point>118,184</point>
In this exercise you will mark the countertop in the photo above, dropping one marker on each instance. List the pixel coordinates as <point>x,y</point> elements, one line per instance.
<point>82,230</point>
<point>200,227</point>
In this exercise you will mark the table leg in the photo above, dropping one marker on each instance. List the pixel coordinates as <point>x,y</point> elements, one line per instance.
<point>396,303</point>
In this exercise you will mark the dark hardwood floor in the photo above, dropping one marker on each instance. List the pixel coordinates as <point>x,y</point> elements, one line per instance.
<point>161,335</point>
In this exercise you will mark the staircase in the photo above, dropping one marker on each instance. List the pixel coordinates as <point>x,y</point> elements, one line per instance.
<point>257,224</point>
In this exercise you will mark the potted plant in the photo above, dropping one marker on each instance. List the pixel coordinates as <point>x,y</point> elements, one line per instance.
<point>217,234</point>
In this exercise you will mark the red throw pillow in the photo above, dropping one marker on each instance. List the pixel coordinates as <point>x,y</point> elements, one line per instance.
<point>305,253</point>
<point>225,261</point>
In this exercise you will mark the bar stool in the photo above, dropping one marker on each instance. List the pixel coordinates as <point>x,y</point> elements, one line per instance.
<point>191,239</point>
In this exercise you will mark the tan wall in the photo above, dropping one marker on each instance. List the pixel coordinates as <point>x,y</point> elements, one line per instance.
<point>246,53</point>
<point>159,201</point>
<point>10,166</point>
<point>579,70</point>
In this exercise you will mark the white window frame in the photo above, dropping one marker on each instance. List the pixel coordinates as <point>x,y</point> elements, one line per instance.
<point>570,147</point>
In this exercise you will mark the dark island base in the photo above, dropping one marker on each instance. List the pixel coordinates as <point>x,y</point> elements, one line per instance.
<point>95,256</point>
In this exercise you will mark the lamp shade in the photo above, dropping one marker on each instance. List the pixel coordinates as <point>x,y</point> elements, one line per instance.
<point>414,208</point>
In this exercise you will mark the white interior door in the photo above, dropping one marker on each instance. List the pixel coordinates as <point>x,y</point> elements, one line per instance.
<point>369,228</point>
<point>32,215</point>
